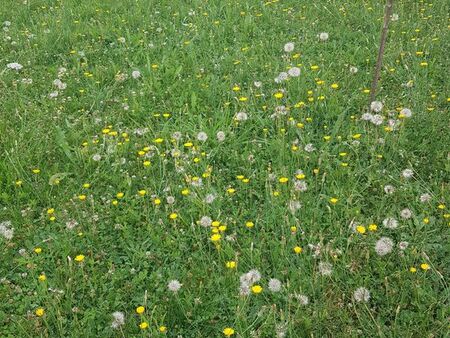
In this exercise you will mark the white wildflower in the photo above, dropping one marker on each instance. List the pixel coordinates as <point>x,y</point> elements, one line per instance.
<point>289,47</point>
<point>406,213</point>
<point>294,72</point>
<point>390,223</point>
<point>241,116</point>
<point>323,36</point>
<point>136,74</point>
<point>407,173</point>
<point>325,269</point>
<point>174,285</point>
<point>274,285</point>
<point>384,246</point>
<point>119,320</point>
<point>424,198</point>
<point>202,136</point>
<point>376,106</point>
<point>361,295</point>
<point>220,136</point>
<point>14,65</point>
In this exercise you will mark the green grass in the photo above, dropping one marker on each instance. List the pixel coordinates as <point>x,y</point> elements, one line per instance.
<point>191,55</point>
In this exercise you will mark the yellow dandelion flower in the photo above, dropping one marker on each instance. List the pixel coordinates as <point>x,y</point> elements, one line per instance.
<point>424,266</point>
<point>298,250</point>
<point>143,325</point>
<point>231,264</point>
<point>38,250</point>
<point>42,277</point>
<point>79,258</point>
<point>361,229</point>
<point>140,310</point>
<point>249,224</point>
<point>283,179</point>
<point>412,269</point>
<point>373,227</point>
<point>228,332</point>
<point>173,216</point>
<point>39,312</point>
<point>216,237</point>
<point>278,95</point>
<point>333,200</point>
<point>257,289</point>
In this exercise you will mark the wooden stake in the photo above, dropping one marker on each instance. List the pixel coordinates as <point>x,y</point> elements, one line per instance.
<point>376,76</point>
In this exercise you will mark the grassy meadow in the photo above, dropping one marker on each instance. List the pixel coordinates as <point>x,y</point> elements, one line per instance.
<point>215,169</point>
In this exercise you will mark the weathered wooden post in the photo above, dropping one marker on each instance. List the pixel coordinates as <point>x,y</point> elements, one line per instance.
<point>376,76</point>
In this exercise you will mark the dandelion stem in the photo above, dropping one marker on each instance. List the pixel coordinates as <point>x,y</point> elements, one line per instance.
<point>376,76</point>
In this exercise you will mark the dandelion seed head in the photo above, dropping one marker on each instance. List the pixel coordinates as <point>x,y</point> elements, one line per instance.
<point>361,294</point>
<point>384,246</point>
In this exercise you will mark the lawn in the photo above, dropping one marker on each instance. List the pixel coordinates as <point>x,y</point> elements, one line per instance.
<point>215,168</point>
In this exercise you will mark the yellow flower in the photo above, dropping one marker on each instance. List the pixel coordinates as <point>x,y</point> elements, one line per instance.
<point>335,86</point>
<point>120,195</point>
<point>231,191</point>
<point>333,200</point>
<point>298,249</point>
<point>50,211</point>
<point>216,237</point>
<point>42,277</point>
<point>356,136</point>
<point>143,325</point>
<point>278,95</point>
<point>424,266</point>
<point>257,289</point>
<point>361,229</point>
<point>412,269</point>
<point>39,312</point>
<point>162,329</point>
<point>441,206</point>
<point>37,250</point>
<point>114,202</point>
<point>173,215</point>
<point>243,99</point>
<point>215,223</point>
<point>426,220</point>
<point>373,227</point>
<point>185,192</point>
<point>230,264</point>
<point>236,88</point>
<point>293,229</point>
<point>142,192</point>
<point>228,331</point>
<point>19,183</point>
<point>283,179</point>
<point>140,310</point>
<point>79,258</point>
<point>36,171</point>
<point>82,197</point>
<point>249,224</point>
<point>86,185</point>
<point>147,163</point>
